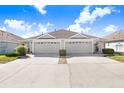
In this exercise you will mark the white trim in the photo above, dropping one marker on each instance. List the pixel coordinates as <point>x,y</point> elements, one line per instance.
<point>76,35</point>
<point>33,46</point>
<point>9,41</point>
<point>44,35</point>
<point>92,45</point>
<point>51,36</point>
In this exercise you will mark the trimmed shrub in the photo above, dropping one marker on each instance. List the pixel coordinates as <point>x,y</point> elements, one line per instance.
<point>119,53</point>
<point>12,54</point>
<point>108,51</point>
<point>108,55</point>
<point>21,50</point>
<point>62,52</point>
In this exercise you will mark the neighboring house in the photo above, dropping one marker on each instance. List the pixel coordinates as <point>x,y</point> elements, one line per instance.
<point>63,39</point>
<point>115,41</point>
<point>8,42</point>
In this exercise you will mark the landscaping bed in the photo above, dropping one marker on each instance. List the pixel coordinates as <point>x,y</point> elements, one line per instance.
<point>19,52</point>
<point>5,59</point>
<point>117,57</point>
<point>62,60</point>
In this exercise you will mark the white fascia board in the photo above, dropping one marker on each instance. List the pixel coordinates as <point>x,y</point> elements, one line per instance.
<point>76,35</point>
<point>46,34</point>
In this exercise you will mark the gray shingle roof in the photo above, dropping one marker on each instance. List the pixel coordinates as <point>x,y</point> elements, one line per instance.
<point>116,36</point>
<point>4,35</point>
<point>62,33</point>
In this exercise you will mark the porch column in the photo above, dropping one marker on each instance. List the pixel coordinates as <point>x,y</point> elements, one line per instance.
<point>62,44</point>
<point>33,46</point>
<point>92,45</point>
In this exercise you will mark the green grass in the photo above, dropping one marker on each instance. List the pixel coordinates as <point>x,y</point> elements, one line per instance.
<point>5,59</point>
<point>118,58</point>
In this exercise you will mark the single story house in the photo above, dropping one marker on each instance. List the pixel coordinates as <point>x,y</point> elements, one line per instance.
<point>8,42</point>
<point>72,42</point>
<point>115,41</point>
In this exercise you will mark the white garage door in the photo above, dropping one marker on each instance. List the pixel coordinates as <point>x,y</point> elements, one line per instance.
<point>46,47</point>
<point>78,47</point>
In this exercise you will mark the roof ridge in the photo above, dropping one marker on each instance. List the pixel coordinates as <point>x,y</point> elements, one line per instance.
<point>64,33</point>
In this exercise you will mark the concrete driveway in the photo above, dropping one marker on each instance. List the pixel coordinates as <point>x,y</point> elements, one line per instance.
<point>46,72</point>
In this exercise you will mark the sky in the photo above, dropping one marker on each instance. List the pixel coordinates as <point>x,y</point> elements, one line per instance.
<point>31,20</point>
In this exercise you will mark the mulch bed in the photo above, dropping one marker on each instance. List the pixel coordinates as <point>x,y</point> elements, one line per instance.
<point>62,60</point>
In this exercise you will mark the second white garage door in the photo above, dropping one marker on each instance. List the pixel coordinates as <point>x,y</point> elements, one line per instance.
<point>46,47</point>
<point>78,47</point>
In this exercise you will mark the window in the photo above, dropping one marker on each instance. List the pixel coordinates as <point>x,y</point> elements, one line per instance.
<point>48,42</point>
<point>37,42</point>
<point>76,42</point>
<point>45,42</point>
<point>54,42</point>
<point>57,43</point>
<point>79,42</point>
<point>51,42</point>
<point>73,42</point>
<point>41,42</point>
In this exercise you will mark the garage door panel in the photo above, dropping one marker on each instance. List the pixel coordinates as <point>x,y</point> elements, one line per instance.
<point>47,48</point>
<point>70,46</point>
<point>78,47</point>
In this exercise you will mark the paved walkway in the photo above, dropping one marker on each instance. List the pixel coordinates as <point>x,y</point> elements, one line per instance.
<point>46,72</point>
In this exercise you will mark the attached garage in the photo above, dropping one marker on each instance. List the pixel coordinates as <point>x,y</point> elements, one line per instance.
<point>46,47</point>
<point>71,46</point>
<point>72,42</point>
<point>78,47</point>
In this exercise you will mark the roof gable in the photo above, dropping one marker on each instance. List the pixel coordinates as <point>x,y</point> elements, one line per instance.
<point>62,34</point>
<point>46,36</point>
<point>78,36</point>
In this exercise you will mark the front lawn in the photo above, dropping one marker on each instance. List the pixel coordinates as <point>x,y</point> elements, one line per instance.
<point>5,59</point>
<point>118,58</point>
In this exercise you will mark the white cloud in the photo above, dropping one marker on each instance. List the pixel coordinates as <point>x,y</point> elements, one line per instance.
<point>41,9</point>
<point>87,29</point>
<point>75,27</point>
<point>87,16</point>
<point>49,24</point>
<point>42,28</point>
<point>17,24</point>
<point>110,28</point>
<point>38,29</point>
<point>30,34</point>
<point>3,28</point>
<point>29,30</point>
<point>78,28</point>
